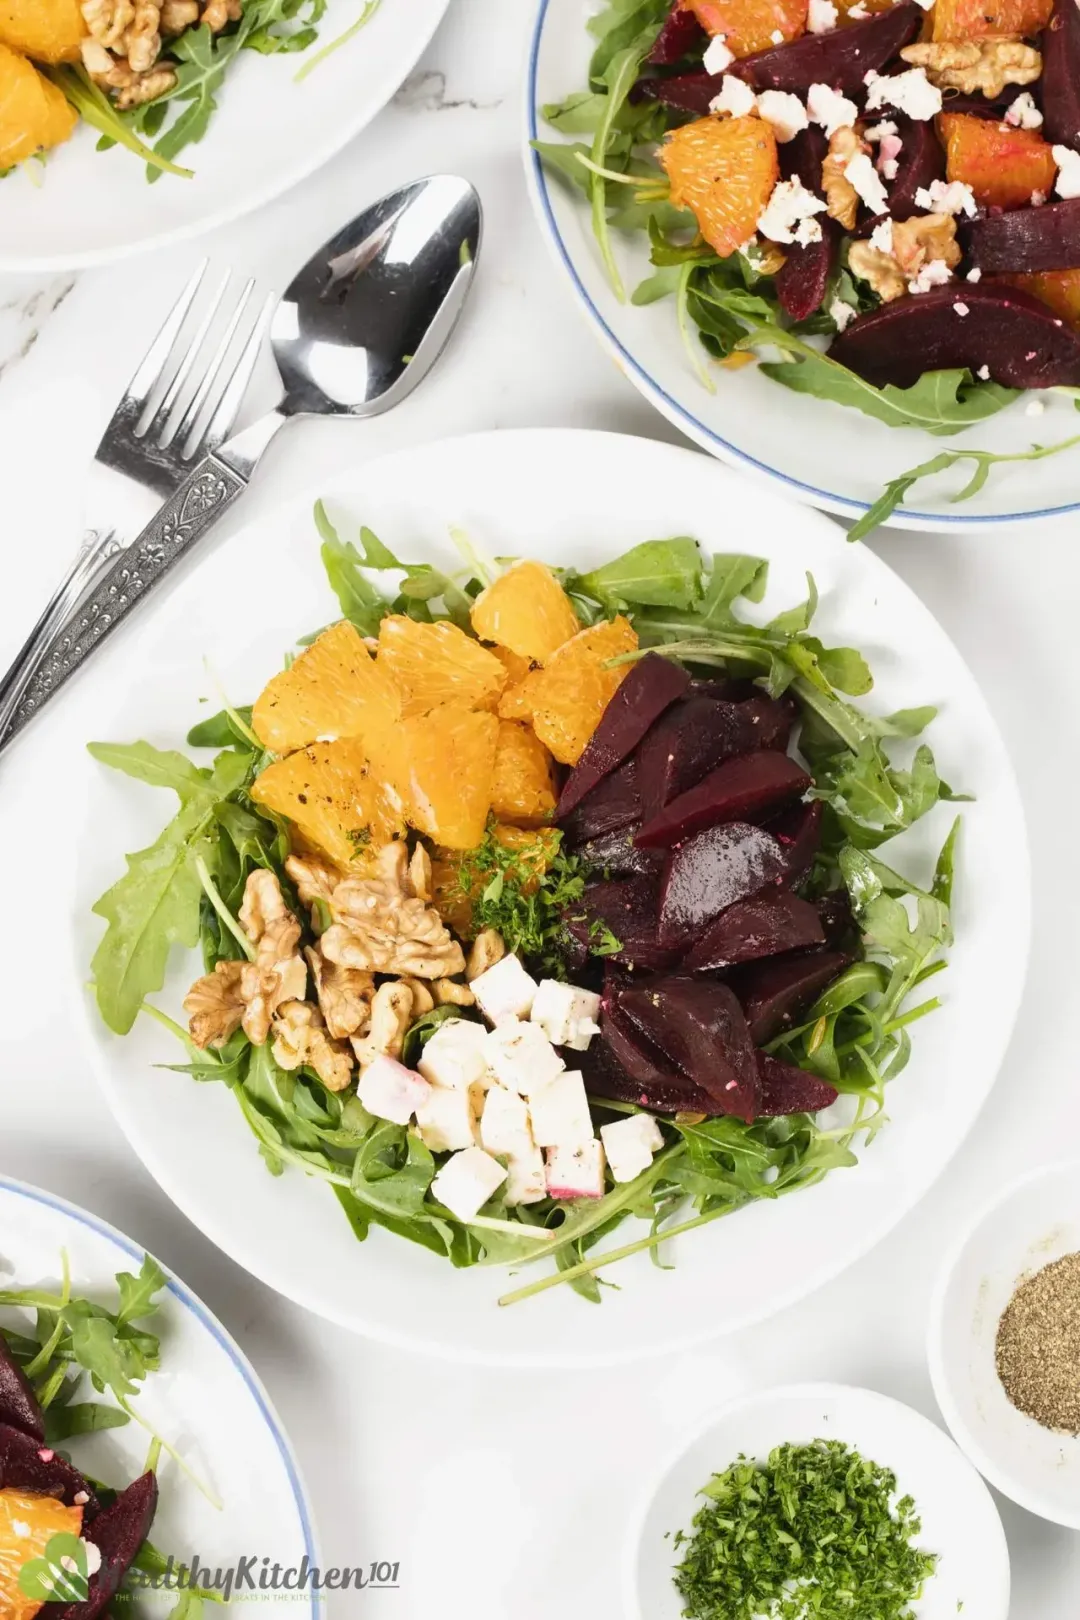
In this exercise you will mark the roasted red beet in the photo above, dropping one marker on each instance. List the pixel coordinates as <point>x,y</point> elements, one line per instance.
<point>19,1407</point>
<point>652,686</point>
<point>700,1025</point>
<point>751,785</point>
<point>627,910</point>
<point>680,34</point>
<point>775,920</point>
<point>1026,239</point>
<point>841,59</point>
<point>697,735</point>
<point>1060,84</point>
<point>1019,338</point>
<point>118,1532</point>
<point>621,1064</point>
<point>615,854</point>
<point>612,804</point>
<point>27,1465</point>
<point>718,868</point>
<point>798,830</point>
<point>774,991</point>
<point>803,278</point>
<point>921,161</point>
<point>786,1089</point>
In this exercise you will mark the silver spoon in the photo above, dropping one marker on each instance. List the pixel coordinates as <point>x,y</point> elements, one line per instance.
<point>357,329</point>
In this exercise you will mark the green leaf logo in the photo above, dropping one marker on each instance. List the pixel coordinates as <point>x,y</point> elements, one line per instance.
<point>60,1575</point>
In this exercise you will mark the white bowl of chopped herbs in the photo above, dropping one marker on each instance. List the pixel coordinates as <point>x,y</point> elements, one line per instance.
<point>1004,1343</point>
<point>820,1500</point>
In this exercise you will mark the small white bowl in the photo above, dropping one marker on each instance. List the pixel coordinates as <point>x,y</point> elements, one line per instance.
<point>959,1520</point>
<point>1033,1222</point>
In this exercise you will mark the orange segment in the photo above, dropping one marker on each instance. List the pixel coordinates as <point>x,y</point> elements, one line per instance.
<point>333,689</point>
<point>444,772</point>
<point>33,113</point>
<point>336,800</point>
<point>725,171</point>
<point>1058,288</point>
<point>433,664</point>
<point>527,610</point>
<point>27,1525</point>
<point>1003,166</point>
<point>523,789</point>
<point>571,692</point>
<point>47,30</point>
<point>534,849</point>
<point>750,25</point>
<point>968,19</point>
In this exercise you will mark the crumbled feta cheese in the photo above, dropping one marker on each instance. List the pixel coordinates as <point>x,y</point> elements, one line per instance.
<point>1034,407</point>
<point>445,1120</point>
<point>521,1056</point>
<point>456,1055</point>
<point>526,1179</point>
<point>974,275</point>
<point>736,97</point>
<point>576,1172</point>
<point>777,36</point>
<point>81,1498</point>
<point>505,990</point>
<point>827,107</point>
<point>983,373</point>
<point>821,17</point>
<point>717,57</point>
<point>910,92</point>
<point>962,309</point>
<point>389,1090</point>
<point>947,197</point>
<point>842,314</point>
<point>566,1014</point>
<point>1037,199</point>
<point>784,111</point>
<point>807,231</point>
<point>858,12</point>
<point>878,132</point>
<point>504,1124</point>
<point>630,1144</point>
<point>20,1528</point>
<point>860,172</point>
<point>467,1181</point>
<point>1067,183</point>
<point>789,204</point>
<point>560,1113</point>
<point>1023,113</point>
<point>881,236</point>
<point>933,274</point>
<point>888,158</point>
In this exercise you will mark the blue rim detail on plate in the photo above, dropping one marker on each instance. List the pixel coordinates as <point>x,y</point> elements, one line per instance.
<point>679,412</point>
<point>210,1322</point>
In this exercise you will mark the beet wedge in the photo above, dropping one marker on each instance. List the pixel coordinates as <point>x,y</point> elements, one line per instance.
<point>695,736</point>
<point>19,1407</point>
<point>681,33</point>
<point>1060,84</point>
<point>623,911</point>
<point>774,991</point>
<point>700,1025</point>
<point>1026,239</point>
<point>803,278</point>
<point>621,1064</point>
<point>652,686</point>
<point>798,831</point>
<point>921,161</point>
<point>118,1532</point>
<point>841,59</point>
<point>711,872</point>
<point>1020,339</point>
<point>615,854</point>
<point>750,785</point>
<point>613,803</point>
<point>765,925</point>
<point>27,1465</point>
<point>786,1089</point>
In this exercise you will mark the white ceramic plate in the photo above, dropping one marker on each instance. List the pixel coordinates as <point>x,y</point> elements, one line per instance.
<point>206,1399</point>
<point>561,496</point>
<point>803,444</point>
<point>87,207</point>
<point>1035,1221</point>
<point>959,1520</point>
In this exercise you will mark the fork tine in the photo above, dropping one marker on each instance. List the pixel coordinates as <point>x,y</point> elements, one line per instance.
<point>224,416</point>
<point>206,391</point>
<point>156,358</point>
<point>157,429</point>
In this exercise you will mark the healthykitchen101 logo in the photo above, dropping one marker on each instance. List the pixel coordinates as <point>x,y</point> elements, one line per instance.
<point>61,1574</point>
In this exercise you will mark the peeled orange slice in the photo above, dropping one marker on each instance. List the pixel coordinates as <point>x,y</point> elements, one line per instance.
<point>523,788</point>
<point>444,771</point>
<point>34,116</point>
<point>724,170</point>
<point>333,689</point>
<point>568,696</point>
<point>27,1525</point>
<point>433,664</point>
<point>340,803</point>
<point>751,25</point>
<point>526,610</point>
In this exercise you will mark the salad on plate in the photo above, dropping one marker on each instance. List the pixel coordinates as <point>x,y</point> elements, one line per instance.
<point>531,902</point>
<point>879,202</point>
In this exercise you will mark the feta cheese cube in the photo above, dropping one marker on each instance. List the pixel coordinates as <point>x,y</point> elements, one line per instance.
<point>456,1055</point>
<point>576,1172</point>
<point>789,205</point>
<point>861,173</point>
<point>521,1057</point>
<point>821,17</point>
<point>784,111</point>
<point>560,1112</point>
<point>389,1090</point>
<point>777,36</point>
<point>504,1124</point>
<point>974,275</point>
<point>526,1178</point>
<point>717,57</point>
<point>947,197</point>
<point>630,1144</point>
<point>566,1014</point>
<point>467,1181</point>
<point>842,314</point>
<point>446,1121</point>
<point>935,273</point>
<point>1067,183</point>
<point>881,236</point>
<point>827,107</point>
<point>1034,407</point>
<point>736,98</point>
<point>1023,113</point>
<point>961,309</point>
<point>504,990</point>
<point>983,373</point>
<point>909,92</point>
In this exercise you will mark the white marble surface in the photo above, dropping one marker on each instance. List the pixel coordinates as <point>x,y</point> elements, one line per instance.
<point>501,1494</point>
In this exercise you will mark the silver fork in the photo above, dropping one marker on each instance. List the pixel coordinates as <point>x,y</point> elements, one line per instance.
<point>179,406</point>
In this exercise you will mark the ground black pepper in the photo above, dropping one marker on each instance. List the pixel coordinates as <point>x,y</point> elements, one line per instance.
<point>1038,1346</point>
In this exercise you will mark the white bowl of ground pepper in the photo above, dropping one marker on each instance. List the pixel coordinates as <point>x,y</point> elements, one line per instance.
<point>1004,1343</point>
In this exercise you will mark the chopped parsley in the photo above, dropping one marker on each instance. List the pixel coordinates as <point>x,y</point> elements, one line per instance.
<point>523,890</point>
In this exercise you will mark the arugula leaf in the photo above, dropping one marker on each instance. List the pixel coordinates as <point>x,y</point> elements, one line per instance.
<point>68,1422</point>
<point>732,575</point>
<point>137,1294</point>
<point>657,573</point>
<point>941,402</point>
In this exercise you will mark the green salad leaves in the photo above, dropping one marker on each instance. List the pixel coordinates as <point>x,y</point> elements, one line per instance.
<point>874,775</point>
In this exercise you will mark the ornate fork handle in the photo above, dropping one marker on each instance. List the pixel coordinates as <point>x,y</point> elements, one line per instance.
<point>195,507</point>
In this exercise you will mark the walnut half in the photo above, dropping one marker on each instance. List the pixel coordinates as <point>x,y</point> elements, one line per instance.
<point>840,194</point>
<point>975,65</point>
